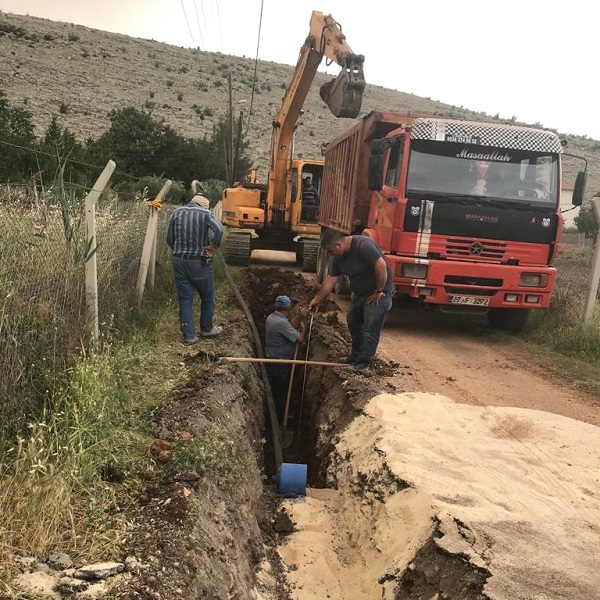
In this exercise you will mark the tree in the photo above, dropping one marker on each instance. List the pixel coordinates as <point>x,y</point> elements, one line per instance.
<point>16,131</point>
<point>585,222</point>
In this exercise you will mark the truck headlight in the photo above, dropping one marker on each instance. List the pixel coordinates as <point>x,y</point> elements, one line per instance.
<point>413,271</point>
<point>533,280</point>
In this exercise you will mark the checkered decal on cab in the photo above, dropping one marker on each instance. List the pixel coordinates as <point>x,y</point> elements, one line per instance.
<point>486,134</point>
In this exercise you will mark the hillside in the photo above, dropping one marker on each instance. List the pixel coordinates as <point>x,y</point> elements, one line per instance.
<point>81,74</point>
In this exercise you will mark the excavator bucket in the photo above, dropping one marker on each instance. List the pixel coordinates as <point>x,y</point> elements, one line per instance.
<point>343,95</point>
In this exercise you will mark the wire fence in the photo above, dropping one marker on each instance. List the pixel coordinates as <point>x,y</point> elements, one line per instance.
<point>43,322</point>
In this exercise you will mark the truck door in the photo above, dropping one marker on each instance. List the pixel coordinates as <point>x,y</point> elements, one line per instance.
<point>384,204</point>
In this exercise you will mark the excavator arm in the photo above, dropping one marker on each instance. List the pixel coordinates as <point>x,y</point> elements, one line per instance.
<point>343,95</point>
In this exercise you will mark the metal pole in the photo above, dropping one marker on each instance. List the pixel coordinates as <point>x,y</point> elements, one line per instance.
<point>313,363</point>
<point>91,272</point>
<point>590,303</point>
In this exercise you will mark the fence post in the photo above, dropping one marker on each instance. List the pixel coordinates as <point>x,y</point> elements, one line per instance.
<point>152,265</point>
<point>91,273</point>
<point>590,303</point>
<point>149,249</point>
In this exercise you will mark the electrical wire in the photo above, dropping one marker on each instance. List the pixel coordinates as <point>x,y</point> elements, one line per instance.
<point>204,21</point>
<point>63,159</point>
<point>255,66</point>
<point>198,21</point>
<point>188,24</point>
<point>219,20</point>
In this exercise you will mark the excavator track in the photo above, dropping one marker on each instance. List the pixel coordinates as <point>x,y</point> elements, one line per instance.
<point>238,249</point>
<point>310,251</point>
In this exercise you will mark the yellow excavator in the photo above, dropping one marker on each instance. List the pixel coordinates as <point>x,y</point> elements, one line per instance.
<point>271,215</point>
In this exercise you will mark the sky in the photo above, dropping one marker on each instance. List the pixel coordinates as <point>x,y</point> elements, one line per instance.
<point>516,58</point>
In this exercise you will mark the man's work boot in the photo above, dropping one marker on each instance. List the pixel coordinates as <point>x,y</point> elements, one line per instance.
<point>191,342</point>
<point>214,332</point>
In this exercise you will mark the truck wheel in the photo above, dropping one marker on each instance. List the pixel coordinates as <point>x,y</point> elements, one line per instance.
<point>310,251</point>
<point>508,319</point>
<point>321,258</point>
<point>238,249</point>
<point>342,287</point>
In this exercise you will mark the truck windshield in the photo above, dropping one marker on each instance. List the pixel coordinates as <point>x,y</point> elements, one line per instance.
<point>515,176</point>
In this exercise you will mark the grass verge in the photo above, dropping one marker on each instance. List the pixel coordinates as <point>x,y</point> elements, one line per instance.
<point>57,489</point>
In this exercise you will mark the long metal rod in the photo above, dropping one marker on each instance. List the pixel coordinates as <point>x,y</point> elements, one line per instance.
<point>291,361</point>
<point>312,318</point>
<point>286,414</point>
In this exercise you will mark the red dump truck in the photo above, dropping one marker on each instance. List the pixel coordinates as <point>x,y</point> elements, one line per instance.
<point>465,212</point>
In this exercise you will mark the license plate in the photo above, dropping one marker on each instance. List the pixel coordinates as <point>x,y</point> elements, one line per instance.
<point>470,300</point>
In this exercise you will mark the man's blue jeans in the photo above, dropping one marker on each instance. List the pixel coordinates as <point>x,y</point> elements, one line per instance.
<point>365,322</point>
<point>193,276</point>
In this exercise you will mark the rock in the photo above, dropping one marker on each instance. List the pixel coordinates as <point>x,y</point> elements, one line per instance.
<point>94,591</point>
<point>41,567</point>
<point>59,561</point>
<point>132,564</point>
<point>99,570</point>
<point>70,585</point>
<point>25,562</point>
<point>39,583</point>
<point>283,523</point>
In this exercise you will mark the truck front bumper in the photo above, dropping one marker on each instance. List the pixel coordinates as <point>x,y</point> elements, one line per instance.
<point>448,283</point>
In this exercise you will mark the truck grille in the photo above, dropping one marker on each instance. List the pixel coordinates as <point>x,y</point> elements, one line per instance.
<point>475,249</point>
<point>468,280</point>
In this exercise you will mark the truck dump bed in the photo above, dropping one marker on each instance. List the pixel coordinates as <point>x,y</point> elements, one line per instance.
<point>345,196</point>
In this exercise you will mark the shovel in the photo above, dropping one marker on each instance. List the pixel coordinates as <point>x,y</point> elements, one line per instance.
<point>287,437</point>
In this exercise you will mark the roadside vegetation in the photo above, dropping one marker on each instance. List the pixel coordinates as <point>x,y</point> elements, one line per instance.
<point>95,429</point>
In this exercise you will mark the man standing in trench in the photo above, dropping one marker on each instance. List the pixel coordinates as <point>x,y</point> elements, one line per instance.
<point>281,336</point>
<point>371,281</point>
<point>188,236</point>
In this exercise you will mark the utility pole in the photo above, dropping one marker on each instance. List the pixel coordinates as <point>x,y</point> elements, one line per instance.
<point>590,303</point>
<point>231,174</point>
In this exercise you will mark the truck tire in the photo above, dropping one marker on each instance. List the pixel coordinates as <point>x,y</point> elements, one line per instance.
<point>508,319</point>
<point>238,249</point>
<point>310,252</point>
<point>342,287</point>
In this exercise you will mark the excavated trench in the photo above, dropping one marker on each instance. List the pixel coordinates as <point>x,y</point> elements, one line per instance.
<point>362,532</point>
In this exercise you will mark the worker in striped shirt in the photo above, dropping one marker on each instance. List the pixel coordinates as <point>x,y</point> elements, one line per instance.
<point>193,233</point>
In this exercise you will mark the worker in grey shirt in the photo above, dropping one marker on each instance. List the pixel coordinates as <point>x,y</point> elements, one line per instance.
<point>193,234</point>
<point>281,337</point>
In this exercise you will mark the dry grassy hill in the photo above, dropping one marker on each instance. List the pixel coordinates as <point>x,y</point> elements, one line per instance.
<point>81,74</point>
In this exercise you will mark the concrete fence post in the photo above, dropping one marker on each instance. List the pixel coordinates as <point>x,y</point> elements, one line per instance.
<point>590,303</point>
<point>91,245</point>
<point>149,250</point>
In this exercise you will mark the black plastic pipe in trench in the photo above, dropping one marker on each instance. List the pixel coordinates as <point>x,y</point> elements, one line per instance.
<point>276,435</point>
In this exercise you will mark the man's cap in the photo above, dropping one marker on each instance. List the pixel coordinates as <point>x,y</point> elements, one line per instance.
<point>201,201</point>
<point>283,301</point>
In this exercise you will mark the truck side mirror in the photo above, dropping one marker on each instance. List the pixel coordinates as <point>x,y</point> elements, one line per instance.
<point>378,148</point>
<point>579,188</point>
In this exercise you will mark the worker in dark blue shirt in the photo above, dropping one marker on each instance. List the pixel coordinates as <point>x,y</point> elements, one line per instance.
<point>193,234</point>
<point>282,333</point>
<point>310,200</point>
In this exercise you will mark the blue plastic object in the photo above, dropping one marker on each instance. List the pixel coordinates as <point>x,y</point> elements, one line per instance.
<point>292,479</point>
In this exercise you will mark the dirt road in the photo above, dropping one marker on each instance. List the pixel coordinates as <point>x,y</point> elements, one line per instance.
<point>460,359</point>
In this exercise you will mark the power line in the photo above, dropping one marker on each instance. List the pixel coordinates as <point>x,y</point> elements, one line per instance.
<point>65,159</point>
<point>219,18</point>
<point>188,24</point>
<point>204,21</point>
<point>198,21</point>
<point>255,65</point>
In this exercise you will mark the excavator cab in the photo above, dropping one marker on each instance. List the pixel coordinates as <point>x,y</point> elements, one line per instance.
<point>344,94</point>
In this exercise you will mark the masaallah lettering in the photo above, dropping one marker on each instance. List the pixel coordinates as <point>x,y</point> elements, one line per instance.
<point>484,218</point>
<point>493,156</point>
